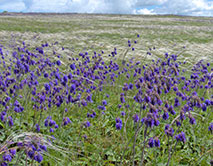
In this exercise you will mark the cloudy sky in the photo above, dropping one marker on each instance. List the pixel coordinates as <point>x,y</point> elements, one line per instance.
<point>180,7</point>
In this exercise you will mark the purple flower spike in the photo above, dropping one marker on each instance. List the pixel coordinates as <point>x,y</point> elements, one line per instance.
<point>135,118</point>
<point>118,126</point>
<point>211,127</point>
<point>123,113</point>
<point>151,142</point>
<point>157,142</point>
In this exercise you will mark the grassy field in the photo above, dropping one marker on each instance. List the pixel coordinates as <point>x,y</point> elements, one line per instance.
<point>102,141</point>
<point>79,31</point>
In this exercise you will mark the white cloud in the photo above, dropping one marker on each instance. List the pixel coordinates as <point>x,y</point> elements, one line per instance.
<point>14,5</point>
<point>144,11</point>
<point>184,7</point>
<point>145,3</point>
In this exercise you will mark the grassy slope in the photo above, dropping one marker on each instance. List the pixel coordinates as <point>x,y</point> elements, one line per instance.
<point>105,32</point>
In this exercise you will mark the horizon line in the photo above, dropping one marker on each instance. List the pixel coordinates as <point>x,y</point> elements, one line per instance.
<point>75,13</point>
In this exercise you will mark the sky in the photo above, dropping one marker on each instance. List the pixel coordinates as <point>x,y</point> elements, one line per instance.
<point>177,7</point>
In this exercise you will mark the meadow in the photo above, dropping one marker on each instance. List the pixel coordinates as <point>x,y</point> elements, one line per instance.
<point>113,90</point>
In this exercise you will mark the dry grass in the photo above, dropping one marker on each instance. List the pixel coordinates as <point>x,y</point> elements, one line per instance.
<point>79,32</point>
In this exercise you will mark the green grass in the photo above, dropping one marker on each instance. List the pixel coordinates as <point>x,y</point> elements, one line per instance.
<point>105,144</point>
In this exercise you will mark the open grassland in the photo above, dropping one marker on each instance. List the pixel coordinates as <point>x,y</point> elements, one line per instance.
<point>78,32</point>
<point>106,90</point>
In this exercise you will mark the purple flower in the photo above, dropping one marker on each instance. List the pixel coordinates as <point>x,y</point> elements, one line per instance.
<point>207,102</point>
<point>149,122</point>
<point>204,107</point>
<point>192,120</point>
<point>165,115</point>
<point>43,147</point>
<point>122,98</point>
<point>135,118</point>
<point>171,110</point>
<point>7,157</point>
<point>37,127</point>
<point>38,157</point>
<point>58,62</point>
<point>104,102</point>
<point>46,122</point>
<point>211,127</point>
<point>181,137</point>
<point>118,126</point>
<point>178,123</point>
<point>72,66</point>
<point>177,103</point>
<point>123,113</point>
<point>47,86</point>
<point>118,120</point>
<point>169,131</point>
<point>10,121</point>
<point>130,86</point>
<point>51,130</point>
<point>12,152</point>
<point>151,142</point>
<point>87,124</point>
<point>156,122</point>
<point>66,121</point>
<point>46,75</point>
<point>157,142</point>
<point>182,115</point>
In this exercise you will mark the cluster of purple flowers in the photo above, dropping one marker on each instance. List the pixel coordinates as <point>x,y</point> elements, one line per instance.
<point>118,124</point>
<point>154,142</point>
<point>50,123</point>
<point>158,91</point>
<point>181,137</point>
<point>7,156</point>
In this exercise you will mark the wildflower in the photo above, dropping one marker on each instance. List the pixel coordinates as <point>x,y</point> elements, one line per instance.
<point>181,137</point>
<point>104,102</point>
<point>12,152</point>
<point>157,142</point>
<point>123,113</point>
<point>37,127</point>
<point>171,110</point>
<point>169,131</point>
<point>72,66</point>
<point>7,157</point>
<point>43,147</point>
<point>151,142</point>
<point>122,98</point>
<point>204,108</point>
<point>38,157</point>
<point>156,122</point>
<point>66,121</point>
<point>178,123</point>
<point>46,75</point>
<point>210,128</point>
<point>177,103</point>
<point>192,120</point>
<point>118,124</point>
<point>165,115</point>
<point>149,122</point>
<point>10,121</point>
<point>135,118</point>
<point>182,115</point>
<point>58,62</point>
<point>87,124</point>
<point>51,130</point>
